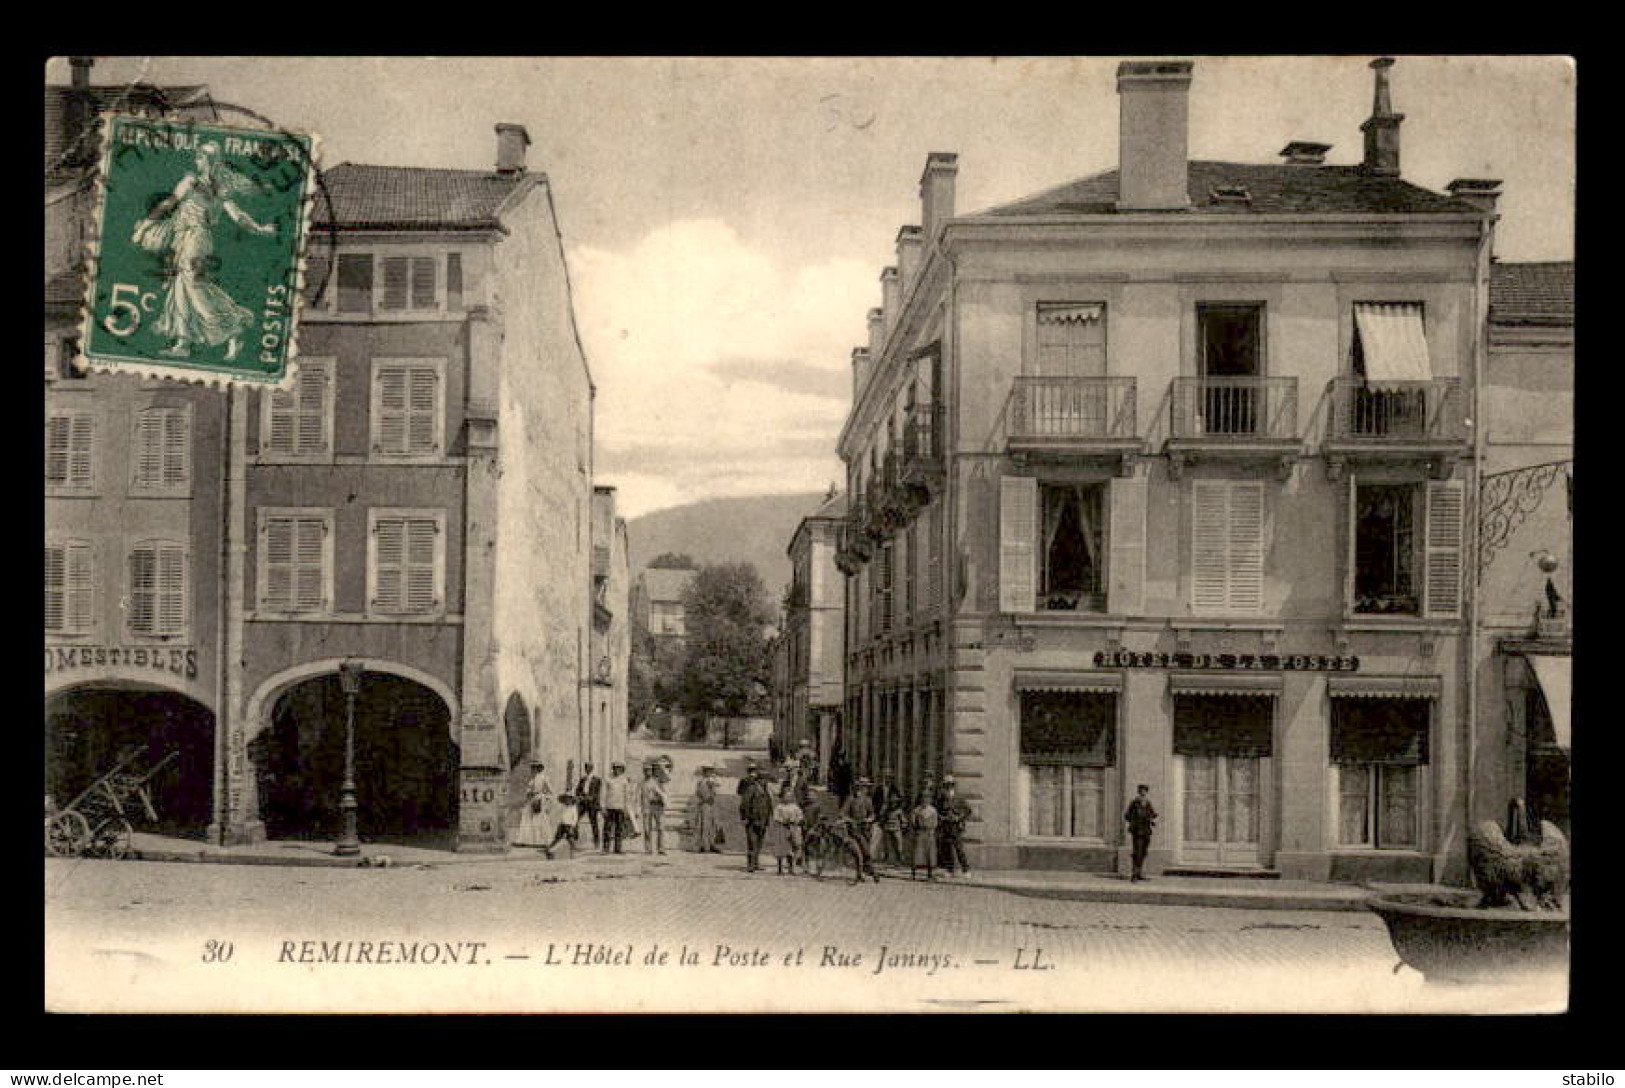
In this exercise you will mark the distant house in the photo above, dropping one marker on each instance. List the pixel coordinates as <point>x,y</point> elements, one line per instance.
<point>657,601</point>
<point>808,654</point>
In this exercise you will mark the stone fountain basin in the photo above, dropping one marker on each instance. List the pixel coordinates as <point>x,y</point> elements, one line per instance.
<point>1444,936</point>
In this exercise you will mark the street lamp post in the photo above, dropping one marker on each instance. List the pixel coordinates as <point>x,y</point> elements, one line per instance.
<point>349,843</point>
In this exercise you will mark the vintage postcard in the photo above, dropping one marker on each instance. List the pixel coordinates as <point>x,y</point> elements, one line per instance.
<point>678,534</point>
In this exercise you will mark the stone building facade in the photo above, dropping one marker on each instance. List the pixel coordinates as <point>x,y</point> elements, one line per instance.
<point>1161,477</point>
<point>809,659</point>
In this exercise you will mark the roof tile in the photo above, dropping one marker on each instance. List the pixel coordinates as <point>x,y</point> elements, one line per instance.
<point>1532,293</point>
<point>405,196</point>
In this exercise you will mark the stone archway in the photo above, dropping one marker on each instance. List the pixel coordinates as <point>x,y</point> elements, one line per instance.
<point>406,762</point>
<point>88,727</point>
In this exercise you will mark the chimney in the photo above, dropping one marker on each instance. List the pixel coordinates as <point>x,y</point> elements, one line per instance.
<point>1481,193</point>
<point>908,259</point>
<point>877,332</point>
<point>511,143</point>
<point>860,372</point>
<point>81,71</point>
<point>937,192</point>
<point>1382,127</point>
<point>1153,135</point>
<point>1304,153</point>
<point>890,298</point>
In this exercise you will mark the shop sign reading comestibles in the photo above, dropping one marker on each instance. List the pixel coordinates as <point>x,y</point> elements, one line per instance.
<point>180,660</point>
<point>1132,659</point>
<point>199,247</point>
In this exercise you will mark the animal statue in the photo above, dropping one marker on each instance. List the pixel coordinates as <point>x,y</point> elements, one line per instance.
<point>1525,866</point>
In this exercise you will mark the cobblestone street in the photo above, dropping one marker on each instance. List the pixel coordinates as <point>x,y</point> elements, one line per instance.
<point>520,936</point>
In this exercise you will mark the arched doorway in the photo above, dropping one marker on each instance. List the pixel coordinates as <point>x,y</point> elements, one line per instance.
<point>88,729</point>
<point>405,761</point>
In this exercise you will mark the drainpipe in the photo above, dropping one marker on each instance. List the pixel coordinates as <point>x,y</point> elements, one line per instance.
<point>1481,281</point>
<point>222,584</point>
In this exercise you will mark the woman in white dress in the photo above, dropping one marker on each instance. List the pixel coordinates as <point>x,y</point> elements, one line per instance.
<point>535,822</point>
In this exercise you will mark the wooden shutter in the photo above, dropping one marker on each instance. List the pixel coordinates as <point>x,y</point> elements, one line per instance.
<point>1246,591</point>
<point>1442,563</point>
<point>1351,512</point>
<point>149,439</point>
<point>389,406</point>
<point>143,607</point>
<point>1210,546</point>
<point>281,419</point>
<point>934,551</point>
<point>177,448</point>
<point>171,589</point>
<point>887,573</point>
<point>310,424</point>
<point>56,587</point>
<point>454,281</point>
<point>422,549</point>
<point>1018,544</point>
<point>277,561</point>
<point>316,288</point>
<point>422,412</point>
<point>70,587</point>
<point>310,558</point>
<point>423,283</point>
<point>1125,541</point>
<point>396,270</point>
<point>388,564</point>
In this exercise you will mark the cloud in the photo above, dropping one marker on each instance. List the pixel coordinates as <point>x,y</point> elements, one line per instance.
<point>719,371</point>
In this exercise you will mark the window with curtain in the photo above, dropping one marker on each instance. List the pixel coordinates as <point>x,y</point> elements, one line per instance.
<point>1067,748</point>
<point>1386,545</point>
<point>1378,750</point>
<point>1072,570</point>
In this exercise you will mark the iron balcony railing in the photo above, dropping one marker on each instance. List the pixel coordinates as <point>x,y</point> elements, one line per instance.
<point>1396,412</point>
<point>1064,410</point>
<point>1235,409</point>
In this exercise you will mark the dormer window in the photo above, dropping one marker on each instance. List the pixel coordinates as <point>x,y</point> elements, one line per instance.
<point>1230,194</point>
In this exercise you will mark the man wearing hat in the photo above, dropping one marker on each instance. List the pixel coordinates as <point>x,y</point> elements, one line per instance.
<point>952,814</point>
<point>652,794</point>
<point>705,801</point>
<point>808,759</point>
<point>858,811</point>
<point>1141,818</point>
<point>756,810</point>
<point>588,793</point>
<point>617,805</point>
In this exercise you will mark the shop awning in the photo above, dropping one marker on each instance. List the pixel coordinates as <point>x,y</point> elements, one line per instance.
<point>1556,676</point>
<point>1384,687</point>
<point>1392,341</point>
<point>1069,313</point>
<point>1068,680</point>
<point>1224,683</point>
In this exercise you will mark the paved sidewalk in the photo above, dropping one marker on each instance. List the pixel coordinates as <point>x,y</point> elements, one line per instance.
<point>590,864</point>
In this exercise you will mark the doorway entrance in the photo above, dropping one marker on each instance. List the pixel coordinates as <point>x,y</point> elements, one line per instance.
<point>1221,753</point>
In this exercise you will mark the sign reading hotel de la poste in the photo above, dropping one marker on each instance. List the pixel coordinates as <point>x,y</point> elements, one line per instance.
<point>198,251</point>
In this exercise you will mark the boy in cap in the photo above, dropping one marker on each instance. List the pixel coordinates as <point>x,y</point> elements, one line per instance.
<point>568,818</point>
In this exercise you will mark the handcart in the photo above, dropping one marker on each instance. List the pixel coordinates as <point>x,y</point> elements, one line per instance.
<point>96,823</point>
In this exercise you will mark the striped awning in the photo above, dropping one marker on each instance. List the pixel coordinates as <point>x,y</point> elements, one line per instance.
<point>1556,676</point>
<point>1224,683</point>
<point>1384,687</point>
<point>1392,341</point>
<point>1069,313</point>
<point>1068,680</point>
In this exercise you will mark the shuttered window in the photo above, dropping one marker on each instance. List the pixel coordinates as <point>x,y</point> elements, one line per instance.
<point>933,546</point>
<point>887,573</point>
<point>1071,339</point>
<point>70,588</point>
<point>296,560</point>
<point>406,407</point>
<point>317,289</point>
<point>406,562</point>
<point>409,283</point>
<point>454,281</point>
<point>162,450</point>
<point>70,445</point>
<point>1442,569</point>
<point>298,422</point>
<point>1018,537</point>
<point>157,589</point>
<point>355,283</point>
<point>1227,552</point>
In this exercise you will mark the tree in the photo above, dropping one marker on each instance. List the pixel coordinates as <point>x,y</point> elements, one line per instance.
<point>727,667</point>
<point>652,675</point>
<point>673,561</point>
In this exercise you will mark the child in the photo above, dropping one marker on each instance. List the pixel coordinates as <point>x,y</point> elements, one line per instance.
<point>784,833</point>
<point>568,815</point>
<point>924,818</point>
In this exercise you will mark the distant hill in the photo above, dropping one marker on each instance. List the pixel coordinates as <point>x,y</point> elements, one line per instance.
<point>752,530</point>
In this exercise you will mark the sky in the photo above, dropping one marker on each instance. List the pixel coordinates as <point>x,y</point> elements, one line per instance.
<point>726,220</point>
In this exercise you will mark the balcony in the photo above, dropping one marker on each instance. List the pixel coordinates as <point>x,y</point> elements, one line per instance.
<point>1395,421</point>
<point>855,546</point>
<point>1234,419</point>
<point>1073,417</point>
<point>922,469</point>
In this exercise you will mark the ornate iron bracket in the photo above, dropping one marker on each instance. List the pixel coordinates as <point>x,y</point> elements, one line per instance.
<point>1505,501</point>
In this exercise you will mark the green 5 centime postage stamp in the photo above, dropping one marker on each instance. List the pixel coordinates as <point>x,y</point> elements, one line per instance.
<point>198,253</point>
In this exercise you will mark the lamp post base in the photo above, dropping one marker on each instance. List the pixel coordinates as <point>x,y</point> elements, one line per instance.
<point>349,843</point>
